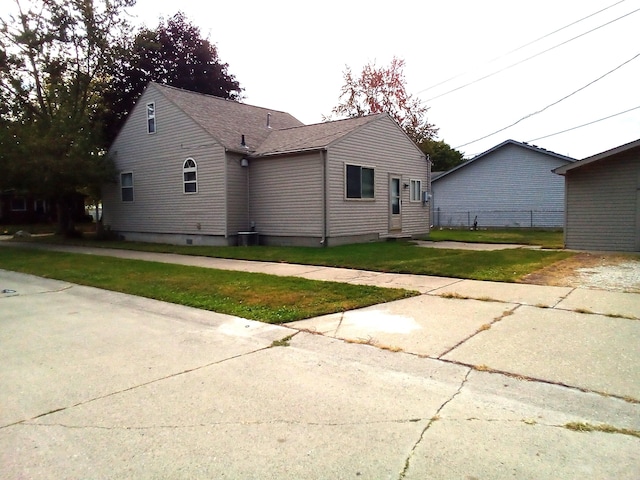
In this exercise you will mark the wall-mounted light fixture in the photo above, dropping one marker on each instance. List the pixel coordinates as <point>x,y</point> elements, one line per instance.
<point>244,162</point>
<point>405,185</point>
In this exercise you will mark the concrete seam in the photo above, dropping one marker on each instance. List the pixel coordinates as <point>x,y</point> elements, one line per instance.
<point>429,292</point>
<point>564,297</point>
<point>407,463</point>
<point>213,424</point>
<point>335,333</point>
<point>128,389</point>
<point>506,313</point>
<point>490,370</point>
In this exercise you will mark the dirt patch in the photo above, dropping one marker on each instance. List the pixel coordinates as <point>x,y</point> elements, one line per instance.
<point>612,272</point>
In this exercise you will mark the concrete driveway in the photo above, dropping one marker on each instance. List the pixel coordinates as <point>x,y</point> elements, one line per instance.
<point>468,380</point>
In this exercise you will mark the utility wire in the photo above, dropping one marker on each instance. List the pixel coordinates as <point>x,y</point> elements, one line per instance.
<point>521,47</point>
<point>530,57</point>
<point>551,104</point>
<point>584,124</point>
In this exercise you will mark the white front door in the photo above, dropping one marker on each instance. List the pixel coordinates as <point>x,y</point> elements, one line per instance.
<point>395,203</point>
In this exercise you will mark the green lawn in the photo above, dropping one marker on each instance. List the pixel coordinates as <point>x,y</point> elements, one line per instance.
<point>276,299</point>
<point>266,298</point>
<point>398,257</point>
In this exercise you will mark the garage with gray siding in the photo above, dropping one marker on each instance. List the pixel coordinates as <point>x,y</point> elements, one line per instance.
<point>603,200</point>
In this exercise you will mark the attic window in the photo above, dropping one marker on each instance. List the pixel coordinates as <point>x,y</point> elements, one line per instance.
<point>151,117</point>
<point>190,176</point>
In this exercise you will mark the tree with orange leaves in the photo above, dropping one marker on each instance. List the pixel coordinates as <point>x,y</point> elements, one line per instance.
<point>383,89</point>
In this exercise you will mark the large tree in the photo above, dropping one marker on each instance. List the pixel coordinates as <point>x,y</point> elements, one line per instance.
<point>442,156</point>
<point>175,54</point>
<point>383,89</point>
<point>54,60</point>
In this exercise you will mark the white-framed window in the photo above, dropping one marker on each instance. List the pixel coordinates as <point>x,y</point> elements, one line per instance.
<point>126,186</point>
<point>415,190</point>
<point>151,117</point>
<point>190,176</point>
<point>359,181</point>
<point>18,204</point>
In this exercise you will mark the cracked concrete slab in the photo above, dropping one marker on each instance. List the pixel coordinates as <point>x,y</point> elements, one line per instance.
<point>604,302</point>
<point>267,414</point>
<point>592,352</point>
<point>519,450</point>
<point>84,343</point>
<point>100,384</point>
<point>424,325</point>
<point>23,284</point>
<point>539,295</point>
<point>510,428</point>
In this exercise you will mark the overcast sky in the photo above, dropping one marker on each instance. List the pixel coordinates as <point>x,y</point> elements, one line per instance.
<point>291,55</point>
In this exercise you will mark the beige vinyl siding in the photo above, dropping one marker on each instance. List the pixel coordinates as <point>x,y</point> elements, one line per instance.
<point>156,160</point>
<point>383,146</point>
<point>237,195</point>
<point>286,195</point>
<point>603,204</point>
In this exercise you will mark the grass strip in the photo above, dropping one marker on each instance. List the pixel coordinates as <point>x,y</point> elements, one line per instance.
<point>256,296</point>
<point>507,265</point>
<point>604,428</point>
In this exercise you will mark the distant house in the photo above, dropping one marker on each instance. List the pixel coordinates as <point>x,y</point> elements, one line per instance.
<point>199,169</point>
<point>603,200</point>
<point>23,208</point>
<point>509,185</point>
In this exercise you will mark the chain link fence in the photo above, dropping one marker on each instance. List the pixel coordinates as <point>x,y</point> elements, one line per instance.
<point>498,218</point>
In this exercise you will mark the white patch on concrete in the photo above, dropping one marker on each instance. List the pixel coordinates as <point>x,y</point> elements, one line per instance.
<point>380,321</point>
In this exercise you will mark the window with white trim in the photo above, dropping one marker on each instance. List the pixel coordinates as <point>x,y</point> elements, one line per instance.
<point>359,181</point>
<point>415,191</point>
<point>126,186</point>
<point>151,117</point>
<point>190,176</point>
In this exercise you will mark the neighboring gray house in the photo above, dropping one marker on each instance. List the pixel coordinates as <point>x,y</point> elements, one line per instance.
<point>199,169</point>
<point>603,200</point>
<point>510,185</point>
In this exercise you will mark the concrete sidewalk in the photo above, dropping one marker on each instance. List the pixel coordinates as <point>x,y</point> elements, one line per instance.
<point>469,380</point>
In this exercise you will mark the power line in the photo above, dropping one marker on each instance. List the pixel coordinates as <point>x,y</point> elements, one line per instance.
<point>551,104</point>
<point>522,46</point>
<point>584,124</point>
<point>530,57</point>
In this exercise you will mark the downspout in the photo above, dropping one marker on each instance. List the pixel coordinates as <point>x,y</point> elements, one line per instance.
<point>431,210</point>
<point>325,198</point>
<point>248,184</point>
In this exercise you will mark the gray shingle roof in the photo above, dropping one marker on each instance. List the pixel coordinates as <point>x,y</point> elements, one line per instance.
<point>227,120</point>
<point>311,137</point>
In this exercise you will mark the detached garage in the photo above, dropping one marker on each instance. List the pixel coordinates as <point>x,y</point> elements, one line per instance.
<point>602,200</point>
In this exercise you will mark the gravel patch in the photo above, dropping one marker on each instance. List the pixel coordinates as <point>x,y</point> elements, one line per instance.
<point>623,277</point>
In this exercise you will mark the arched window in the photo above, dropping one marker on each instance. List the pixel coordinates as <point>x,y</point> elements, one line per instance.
<point>190,176</point>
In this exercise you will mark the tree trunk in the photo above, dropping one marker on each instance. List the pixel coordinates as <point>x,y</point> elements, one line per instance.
<point>66,226</point>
